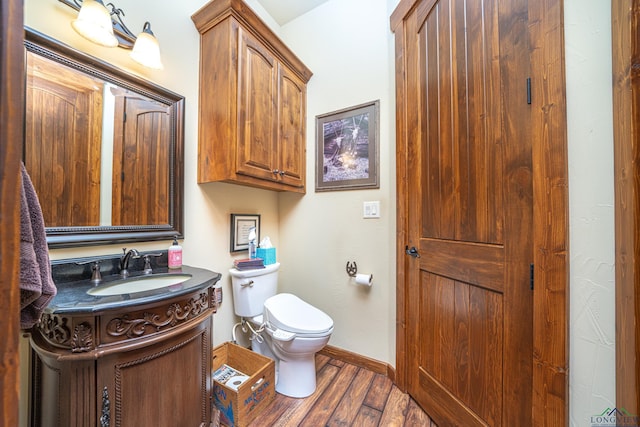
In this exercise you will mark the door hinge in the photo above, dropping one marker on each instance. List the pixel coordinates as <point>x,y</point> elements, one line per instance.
<point>529,90</point>
<point>531,276</point>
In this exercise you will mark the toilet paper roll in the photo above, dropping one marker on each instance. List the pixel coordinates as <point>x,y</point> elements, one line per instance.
<point>234,382</point>
<point>364,279</point>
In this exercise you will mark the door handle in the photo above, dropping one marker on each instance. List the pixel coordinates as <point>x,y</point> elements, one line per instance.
<point>412,252</point>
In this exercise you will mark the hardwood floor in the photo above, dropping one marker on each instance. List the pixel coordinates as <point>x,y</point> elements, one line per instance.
<point>346,395</point>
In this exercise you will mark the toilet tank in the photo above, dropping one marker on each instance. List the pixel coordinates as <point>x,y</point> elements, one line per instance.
<point>251,288</point>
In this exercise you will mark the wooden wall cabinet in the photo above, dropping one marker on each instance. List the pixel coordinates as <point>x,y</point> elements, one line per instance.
<point>252,111</point>
<point>148,366</point>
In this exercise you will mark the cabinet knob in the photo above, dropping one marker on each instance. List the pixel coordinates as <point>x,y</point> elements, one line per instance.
<point>275,171</point>
<point>282,173</point>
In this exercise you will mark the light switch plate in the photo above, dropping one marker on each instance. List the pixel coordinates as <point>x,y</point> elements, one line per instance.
<point>371,209</point>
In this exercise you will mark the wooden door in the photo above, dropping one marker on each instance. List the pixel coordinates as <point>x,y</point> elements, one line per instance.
<point>63,135</point>
<point>625,19</point>
<point>257,108</point>
<point>141,142</point>
<point>291,153</point>
<point>469,212</point>
<point>11,133</point>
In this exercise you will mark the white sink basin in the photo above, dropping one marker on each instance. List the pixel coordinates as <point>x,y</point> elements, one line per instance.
<point>139,284</point>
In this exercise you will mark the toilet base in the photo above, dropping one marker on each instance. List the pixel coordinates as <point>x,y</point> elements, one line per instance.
<point>295,372</point>
<point>297,377</point>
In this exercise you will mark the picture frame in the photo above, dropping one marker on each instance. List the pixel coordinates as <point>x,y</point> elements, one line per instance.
<point>347,148</point>
<point>240,226</point>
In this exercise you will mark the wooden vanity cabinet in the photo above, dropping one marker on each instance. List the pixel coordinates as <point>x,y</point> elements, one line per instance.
<point>145,367</point>
<point>252,122</point>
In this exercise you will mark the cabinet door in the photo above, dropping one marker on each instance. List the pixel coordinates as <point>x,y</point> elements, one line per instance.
<point>291,125</point>
<point>163,385</point>
<point>256,109</point>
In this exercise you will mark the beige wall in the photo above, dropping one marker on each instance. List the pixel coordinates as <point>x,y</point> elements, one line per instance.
<point>348,45</point>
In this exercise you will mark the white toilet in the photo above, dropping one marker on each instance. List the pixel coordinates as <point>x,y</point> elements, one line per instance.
<point>294,331</point>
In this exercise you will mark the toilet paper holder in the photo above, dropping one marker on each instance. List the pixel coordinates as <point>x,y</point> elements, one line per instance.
<point>360,279</point>
<point>352,269</point>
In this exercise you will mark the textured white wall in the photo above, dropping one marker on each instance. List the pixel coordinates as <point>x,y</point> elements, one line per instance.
<point>590,133</point>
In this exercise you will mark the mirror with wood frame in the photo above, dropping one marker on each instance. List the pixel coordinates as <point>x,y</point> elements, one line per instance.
<point>103,148</point>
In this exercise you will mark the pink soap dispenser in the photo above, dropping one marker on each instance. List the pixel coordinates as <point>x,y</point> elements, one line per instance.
<point>175,254</point>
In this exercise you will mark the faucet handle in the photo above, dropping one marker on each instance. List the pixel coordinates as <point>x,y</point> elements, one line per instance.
<point>147,262</point>
<point>96,277</point>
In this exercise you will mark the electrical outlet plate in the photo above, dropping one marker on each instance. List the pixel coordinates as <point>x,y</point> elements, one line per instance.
<point>371,209</point>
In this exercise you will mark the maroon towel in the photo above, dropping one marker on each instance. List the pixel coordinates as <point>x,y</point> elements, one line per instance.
<point>36,284</point>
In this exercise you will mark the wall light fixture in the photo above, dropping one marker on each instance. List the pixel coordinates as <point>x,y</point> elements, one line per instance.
<point>106,28</point>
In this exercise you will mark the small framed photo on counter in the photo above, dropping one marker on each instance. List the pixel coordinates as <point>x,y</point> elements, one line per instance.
<point>241,224</point>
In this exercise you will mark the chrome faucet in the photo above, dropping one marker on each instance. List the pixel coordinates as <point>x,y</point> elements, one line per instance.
<point>124,260</point>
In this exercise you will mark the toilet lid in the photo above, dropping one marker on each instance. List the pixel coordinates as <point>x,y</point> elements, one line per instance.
<point>290,313</point>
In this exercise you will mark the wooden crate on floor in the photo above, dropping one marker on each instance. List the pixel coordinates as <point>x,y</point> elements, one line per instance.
<point>239,405</point>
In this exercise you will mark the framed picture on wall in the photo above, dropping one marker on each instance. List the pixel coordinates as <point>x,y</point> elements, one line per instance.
<point>347,144</point>
<point>241,225</point>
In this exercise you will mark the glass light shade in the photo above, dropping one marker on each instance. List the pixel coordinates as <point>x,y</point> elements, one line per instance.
<point>94,23</point>
<point>146,50</point>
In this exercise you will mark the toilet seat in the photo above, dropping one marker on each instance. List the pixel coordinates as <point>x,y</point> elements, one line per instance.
<point>289,313</point>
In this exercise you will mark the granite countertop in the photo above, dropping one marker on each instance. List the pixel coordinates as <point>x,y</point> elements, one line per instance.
<point>72,296</point>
